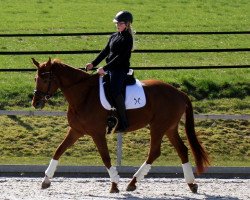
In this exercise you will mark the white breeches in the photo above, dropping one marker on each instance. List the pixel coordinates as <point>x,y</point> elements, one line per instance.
<point>188,172</point>
<point>113,173</point>
<point>52,168</point>
<point>142,171</point>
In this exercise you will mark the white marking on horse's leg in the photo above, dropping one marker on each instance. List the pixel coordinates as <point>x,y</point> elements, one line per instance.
<point>113,173</point>
<point>142,171</point>
<point>188,172</point>
<point>52,168</point>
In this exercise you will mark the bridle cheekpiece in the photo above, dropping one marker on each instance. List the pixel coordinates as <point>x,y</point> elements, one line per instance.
<point>45,95</point>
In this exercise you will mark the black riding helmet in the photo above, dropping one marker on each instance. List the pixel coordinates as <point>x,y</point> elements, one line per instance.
<point>123,16</point>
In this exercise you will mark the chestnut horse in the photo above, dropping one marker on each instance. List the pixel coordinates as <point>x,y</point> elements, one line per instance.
<point>86,116</point>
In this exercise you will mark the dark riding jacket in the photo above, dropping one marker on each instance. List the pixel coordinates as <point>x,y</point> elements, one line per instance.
<point>117,52</point>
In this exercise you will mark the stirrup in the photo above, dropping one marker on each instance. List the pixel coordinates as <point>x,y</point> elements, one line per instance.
<point>112,123</point>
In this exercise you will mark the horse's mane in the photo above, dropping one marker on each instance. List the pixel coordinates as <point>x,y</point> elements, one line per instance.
<point>57,62</point>
<point>73,72</point>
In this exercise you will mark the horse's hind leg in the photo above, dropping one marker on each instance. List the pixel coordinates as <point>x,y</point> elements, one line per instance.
<point>70,139</point>
<point>182,151</point>
<point>154,153</point>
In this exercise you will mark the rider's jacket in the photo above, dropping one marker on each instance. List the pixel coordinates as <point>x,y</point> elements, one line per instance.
<point>117,52</point>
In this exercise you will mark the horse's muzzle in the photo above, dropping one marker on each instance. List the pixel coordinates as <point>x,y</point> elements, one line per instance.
<point>38,104</point>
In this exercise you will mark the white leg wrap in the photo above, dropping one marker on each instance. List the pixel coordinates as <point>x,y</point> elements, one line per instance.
<point>113,173</point>
<point>143,171</point>
<point>188,172</point>
<point>52,168</point>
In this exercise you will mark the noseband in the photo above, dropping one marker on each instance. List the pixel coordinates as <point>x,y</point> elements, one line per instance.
<point>45,95</point>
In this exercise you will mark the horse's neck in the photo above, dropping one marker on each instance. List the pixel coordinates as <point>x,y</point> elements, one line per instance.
<point>72,82</point>
<point>68,76</point>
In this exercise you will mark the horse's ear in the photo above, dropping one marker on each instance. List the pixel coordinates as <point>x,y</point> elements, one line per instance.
<point>35,62</point>
<point>49,63</point>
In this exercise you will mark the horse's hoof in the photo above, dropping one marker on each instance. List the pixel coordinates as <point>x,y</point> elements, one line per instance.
<point>46,183</point>
<point>131,185</point>
<point>131,188</point>
<point>193,187</point>
<point>114,188</point>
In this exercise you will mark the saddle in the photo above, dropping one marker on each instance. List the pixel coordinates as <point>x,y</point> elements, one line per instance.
<point>132,92</point>
<point>130,80</point>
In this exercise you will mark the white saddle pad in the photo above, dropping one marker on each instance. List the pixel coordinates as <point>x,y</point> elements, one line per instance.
<point>135,96</point>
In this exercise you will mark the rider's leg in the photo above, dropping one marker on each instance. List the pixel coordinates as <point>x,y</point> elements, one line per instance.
<point>117,79</point>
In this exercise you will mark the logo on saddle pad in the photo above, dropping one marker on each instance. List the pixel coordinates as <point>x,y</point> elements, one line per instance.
<point>135,96</point>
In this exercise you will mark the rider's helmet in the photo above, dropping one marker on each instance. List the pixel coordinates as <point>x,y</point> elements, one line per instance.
<point>123,16</point>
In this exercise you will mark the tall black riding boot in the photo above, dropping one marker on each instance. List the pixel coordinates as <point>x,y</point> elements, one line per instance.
<point>121,111</point>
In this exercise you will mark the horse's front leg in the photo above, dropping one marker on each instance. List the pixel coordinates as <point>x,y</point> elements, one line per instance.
<point>101,143</point>
<point>69,140</point>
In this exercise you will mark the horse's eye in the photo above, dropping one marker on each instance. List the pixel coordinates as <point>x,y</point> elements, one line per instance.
<point>35,79</point>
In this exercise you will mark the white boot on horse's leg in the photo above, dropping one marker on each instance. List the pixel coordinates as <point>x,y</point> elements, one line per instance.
<point>189,177</point>
<point>49,173</point>
<point>138,176</point>
<point>114,178</point>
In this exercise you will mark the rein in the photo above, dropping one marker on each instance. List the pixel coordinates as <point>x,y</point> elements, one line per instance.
<point>93,70</point>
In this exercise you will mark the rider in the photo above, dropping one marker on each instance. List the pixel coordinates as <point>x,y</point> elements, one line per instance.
<point>117,53</point>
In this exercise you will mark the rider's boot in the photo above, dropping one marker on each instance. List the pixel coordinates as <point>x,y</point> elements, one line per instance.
<point>121,111</point>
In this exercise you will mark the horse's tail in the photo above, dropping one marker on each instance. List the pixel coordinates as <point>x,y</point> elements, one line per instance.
<point>200,154</point>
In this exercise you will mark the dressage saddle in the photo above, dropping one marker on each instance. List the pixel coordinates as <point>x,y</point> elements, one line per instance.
<point>130,80</point>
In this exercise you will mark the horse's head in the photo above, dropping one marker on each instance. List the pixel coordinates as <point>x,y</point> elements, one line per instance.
<point>46,83</point>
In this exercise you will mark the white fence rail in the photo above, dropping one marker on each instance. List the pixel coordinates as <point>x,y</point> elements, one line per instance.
<point>119,135</point>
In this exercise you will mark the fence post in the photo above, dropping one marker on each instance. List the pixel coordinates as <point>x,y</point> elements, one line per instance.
<point>119,149</point>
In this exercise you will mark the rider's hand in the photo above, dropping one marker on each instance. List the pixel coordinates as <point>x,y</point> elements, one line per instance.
<point>89,66</point>
<point>101,71</point>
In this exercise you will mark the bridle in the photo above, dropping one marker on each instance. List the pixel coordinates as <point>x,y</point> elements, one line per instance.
<point>45,95</point>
